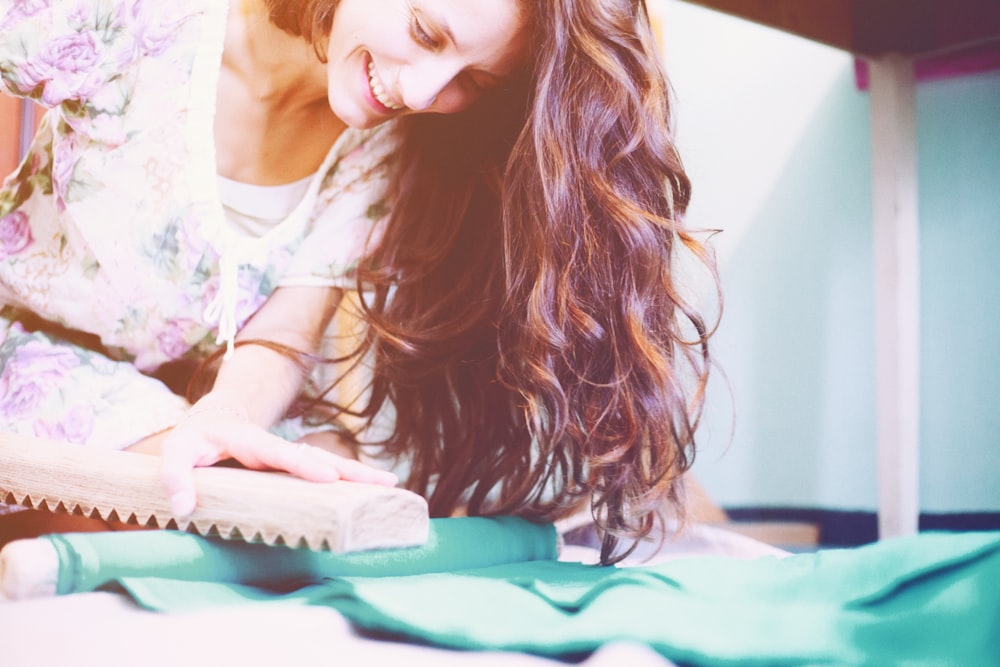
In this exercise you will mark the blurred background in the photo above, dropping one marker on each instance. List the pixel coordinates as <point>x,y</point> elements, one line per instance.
<point>775,131</point>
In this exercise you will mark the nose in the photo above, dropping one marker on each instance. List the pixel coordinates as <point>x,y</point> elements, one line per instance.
<point>422,82</point>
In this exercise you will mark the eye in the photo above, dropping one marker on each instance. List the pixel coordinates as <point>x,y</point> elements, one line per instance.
<point>421,35</point>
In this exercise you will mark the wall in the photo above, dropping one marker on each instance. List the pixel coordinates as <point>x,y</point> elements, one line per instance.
<point>775,135</point>
<point>10,121</point>
<point>11,115</point>
<point>958,134</point>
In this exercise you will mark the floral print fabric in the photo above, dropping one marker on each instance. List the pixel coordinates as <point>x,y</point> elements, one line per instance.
<point>112,225</point>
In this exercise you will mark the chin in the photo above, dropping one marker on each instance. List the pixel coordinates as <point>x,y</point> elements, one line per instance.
<point>364,124</point>
<point>350,117</point>
<point>354,117</point>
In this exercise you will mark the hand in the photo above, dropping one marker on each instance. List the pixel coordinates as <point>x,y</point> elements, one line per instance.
<point>206,437</point>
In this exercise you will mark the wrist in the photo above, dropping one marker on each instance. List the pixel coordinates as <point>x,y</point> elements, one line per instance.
<point>209,404</point>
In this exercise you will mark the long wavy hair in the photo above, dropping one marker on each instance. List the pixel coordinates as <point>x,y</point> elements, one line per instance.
<point>523,311</point>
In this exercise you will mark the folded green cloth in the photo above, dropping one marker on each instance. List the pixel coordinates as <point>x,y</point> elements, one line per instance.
<point>88,561</point>
<point>930,599</point>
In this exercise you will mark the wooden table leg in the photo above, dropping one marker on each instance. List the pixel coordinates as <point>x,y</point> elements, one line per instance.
<point>897,292</point>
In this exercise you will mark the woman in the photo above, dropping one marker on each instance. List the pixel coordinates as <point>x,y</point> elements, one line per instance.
<point>496,178</point>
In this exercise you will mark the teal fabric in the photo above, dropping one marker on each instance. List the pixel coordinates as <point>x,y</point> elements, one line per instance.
<point>931,599</point>
<point>89,561</point>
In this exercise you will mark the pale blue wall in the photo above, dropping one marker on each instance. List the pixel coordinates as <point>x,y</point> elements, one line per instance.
<point>958,136</point>
<point>776,137</point>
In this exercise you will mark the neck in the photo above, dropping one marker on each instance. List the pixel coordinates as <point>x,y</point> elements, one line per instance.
<point>276,67</point>
<point>273,122</point>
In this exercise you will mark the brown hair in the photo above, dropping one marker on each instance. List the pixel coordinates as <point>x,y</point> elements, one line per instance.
<point>536,349</point>
<point>309,19</point>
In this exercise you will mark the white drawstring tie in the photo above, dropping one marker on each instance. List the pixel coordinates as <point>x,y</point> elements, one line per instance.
<point>237,250</point>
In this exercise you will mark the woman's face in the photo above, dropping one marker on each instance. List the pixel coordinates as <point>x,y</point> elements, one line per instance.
<point>391,57</point>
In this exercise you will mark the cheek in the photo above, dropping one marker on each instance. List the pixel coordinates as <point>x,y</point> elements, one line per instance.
<point>454,99</point>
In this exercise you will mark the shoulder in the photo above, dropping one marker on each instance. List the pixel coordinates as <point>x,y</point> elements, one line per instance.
<point>372,146</point>
<point>359,157</point>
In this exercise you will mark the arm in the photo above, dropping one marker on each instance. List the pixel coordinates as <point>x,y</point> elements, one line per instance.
<point>253,390</point>
<point>264,382</point>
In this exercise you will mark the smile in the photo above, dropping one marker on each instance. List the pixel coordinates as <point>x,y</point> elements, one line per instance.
<point>378,90</point>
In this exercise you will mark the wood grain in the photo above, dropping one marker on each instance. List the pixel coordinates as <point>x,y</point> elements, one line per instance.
<point>233,503</point>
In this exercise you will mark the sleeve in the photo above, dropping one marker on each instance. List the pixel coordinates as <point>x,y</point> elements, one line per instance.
<point>67,53</point>
<point>58,390</point>
<point>351,209</point>
<point>54,53</point>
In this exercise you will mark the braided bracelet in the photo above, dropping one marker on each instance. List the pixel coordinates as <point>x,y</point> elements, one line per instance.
<point>238,413</point>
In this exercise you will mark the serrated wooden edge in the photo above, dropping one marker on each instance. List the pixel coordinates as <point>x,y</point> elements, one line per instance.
<point>269,508</point>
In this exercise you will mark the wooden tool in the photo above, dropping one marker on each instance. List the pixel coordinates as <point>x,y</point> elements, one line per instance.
<point>269,507</point>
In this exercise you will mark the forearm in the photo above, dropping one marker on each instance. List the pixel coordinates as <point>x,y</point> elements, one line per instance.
<point>253,389</point>
<point>258,383</point>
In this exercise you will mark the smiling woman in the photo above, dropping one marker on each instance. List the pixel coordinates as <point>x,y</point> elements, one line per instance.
<point>495,180</point>
<point>404,56</point>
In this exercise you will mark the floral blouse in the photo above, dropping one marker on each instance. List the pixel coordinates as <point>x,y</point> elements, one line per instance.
<point>112,225</point>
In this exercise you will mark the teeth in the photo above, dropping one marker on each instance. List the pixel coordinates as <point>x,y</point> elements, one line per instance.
<point>378,91</point>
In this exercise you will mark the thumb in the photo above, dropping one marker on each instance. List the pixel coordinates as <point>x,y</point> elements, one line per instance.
<point>177,464</point>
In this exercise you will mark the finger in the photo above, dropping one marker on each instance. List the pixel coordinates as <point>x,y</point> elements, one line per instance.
<point>259,449</point>
<point>179,486</point>
<point>178,459</point>
<point>356,471</point>
<point>316,464</point>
